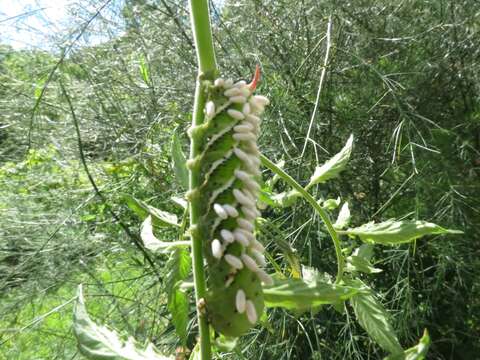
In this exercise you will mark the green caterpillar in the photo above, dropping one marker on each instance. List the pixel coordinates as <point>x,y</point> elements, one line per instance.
<point>229,170</point>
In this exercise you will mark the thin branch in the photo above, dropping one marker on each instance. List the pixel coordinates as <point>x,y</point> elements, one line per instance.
<point>65,51</point>
<point>320,85</point>
<point>136,239</point>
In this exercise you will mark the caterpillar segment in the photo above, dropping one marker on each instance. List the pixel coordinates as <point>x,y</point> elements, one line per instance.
<point>229,170</point>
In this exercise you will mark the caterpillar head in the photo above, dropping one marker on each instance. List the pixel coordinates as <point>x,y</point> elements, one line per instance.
<point>229,164</point>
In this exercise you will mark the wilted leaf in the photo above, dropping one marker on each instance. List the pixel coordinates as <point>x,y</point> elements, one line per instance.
<point>332,167</point>
<point>152,243</point>
<point>373,318</point>
<point>160,218</point>
<point>179,162</point>
<point>298,294</point>
<point>393,232</point>
<point>99,343</point>
<point>343,217</point>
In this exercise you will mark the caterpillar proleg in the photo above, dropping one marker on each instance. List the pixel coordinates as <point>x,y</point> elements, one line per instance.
<point>229,169</point>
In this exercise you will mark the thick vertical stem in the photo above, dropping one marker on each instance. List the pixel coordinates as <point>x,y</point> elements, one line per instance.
<point>207,69</point>
<point>197,240</point>
<point>202,34</point>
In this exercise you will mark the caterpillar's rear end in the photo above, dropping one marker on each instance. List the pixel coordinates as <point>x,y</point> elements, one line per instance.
<point>229,167</point>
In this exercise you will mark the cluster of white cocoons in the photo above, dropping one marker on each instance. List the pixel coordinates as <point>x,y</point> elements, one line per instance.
<point>244,209</point>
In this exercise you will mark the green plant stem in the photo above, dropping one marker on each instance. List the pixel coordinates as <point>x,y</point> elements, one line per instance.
<point>202,35</point>
<point>207,70</point>
<point>323,214</point>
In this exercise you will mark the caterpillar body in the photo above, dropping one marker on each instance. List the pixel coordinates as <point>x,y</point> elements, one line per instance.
<point>228,164</point>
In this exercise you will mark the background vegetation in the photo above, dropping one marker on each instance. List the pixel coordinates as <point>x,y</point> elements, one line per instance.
<point>82,125</point>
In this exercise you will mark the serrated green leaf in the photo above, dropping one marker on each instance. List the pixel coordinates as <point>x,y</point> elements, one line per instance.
<point>298,294</point>
<point>179,265</point>
<point>374,319</point>
<point>99,343</point>
<point>393,232</point>
<point>343,217</point>
<point>179,161</point>
<point>160,218</point>
<point>332,167</point>
<point>152,243</point>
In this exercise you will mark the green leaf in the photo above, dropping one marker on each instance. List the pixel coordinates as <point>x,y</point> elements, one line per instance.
<point>153,243</point>
<point>365,251</point>
<point>179,307</point>
<point>226,344</point>
<point>99,343</point>
<point>417,352</point>
<point>298,294</point>
<point>195,355</point>
<point>270,183</point>
<point>373,318</point>
<point>332,167</point>
<point>181,202</point>
<point>144,71</point>
<point>265,198</point>
<point>393,232</point>
<point>359,261</point>
<point>359,264</point>
<point>331,204</point>
<point>285,199</point>
<point>179,161</point>
<point>39,87</point>
<point>179,265</point>
<point>160,218</point>
<point>343,218</point>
